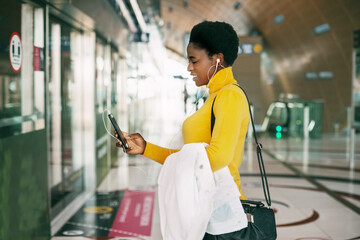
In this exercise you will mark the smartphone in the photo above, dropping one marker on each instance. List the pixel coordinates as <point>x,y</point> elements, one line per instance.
<point>123,141</point>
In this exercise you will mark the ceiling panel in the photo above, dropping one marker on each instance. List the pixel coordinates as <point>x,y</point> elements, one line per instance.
<point>291,45</point>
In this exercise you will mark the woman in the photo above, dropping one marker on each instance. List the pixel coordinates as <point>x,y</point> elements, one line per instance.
<point>211,51</point>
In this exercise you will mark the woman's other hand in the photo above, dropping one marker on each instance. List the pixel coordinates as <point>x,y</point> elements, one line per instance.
<point>135,141</point>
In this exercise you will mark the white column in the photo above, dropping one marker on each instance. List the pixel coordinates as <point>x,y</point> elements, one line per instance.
<point>27,84</point>
<point>39,76</point>
<point>352,148</point>
<point>55,92</point>
<point>88,94</point>
<point>76,99</point>
<point>108,88</point>
<point>306,121</point>
<point>348,130</point>
<point>305,155</point>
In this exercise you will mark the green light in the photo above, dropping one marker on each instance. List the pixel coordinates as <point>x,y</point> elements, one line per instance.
<point>278,135</point>
<point>278,128</point>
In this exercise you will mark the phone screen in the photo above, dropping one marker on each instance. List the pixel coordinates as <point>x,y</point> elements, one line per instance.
<point>119,133</point>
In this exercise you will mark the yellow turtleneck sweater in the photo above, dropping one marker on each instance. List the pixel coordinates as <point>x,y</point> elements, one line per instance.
<point>226,144</point>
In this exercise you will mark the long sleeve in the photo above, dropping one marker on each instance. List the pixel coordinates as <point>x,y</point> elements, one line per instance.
<point>157,153</point>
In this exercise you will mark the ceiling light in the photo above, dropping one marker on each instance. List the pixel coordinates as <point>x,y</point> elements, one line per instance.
<point>320,29</point>
<point>278,19</point>
<point>237,5</point>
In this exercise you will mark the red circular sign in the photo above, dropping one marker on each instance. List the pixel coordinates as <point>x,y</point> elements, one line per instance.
<point>15,52</point>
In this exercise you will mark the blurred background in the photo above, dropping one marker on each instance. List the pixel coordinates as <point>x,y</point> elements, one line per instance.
<point>65,64</point>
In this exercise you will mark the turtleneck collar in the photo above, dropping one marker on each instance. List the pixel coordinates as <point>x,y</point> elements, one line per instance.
<point>223,77</point>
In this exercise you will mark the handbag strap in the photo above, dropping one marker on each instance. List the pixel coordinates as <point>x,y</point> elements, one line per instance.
<point>254,203</point>
<point>264,181</point>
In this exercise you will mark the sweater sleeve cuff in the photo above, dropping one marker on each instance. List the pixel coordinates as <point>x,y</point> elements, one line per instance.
<point>154,152</point>
<point>157,153</point>
<point>147,151</point>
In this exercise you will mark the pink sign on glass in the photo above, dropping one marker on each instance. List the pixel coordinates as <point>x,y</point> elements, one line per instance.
<point>134,217</point>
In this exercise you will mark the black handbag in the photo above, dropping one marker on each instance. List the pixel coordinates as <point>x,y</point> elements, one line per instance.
<point>261,219</point>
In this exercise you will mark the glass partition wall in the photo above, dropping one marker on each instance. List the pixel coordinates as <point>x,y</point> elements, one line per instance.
<point>82,89</point>
<point>102,105</point>
<point>22,78</point>
<point>57,77</point>
<point>65,107</point>
<point>23,146</point>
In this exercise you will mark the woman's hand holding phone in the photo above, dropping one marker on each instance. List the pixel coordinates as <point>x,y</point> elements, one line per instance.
<point>136,143</point>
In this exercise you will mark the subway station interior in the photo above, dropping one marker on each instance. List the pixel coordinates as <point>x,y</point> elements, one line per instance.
<point>66,64</point>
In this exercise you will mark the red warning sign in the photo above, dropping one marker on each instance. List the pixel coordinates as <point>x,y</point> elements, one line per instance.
<point>37,58</point>
<point>134,217</point>
<point>15,52</point>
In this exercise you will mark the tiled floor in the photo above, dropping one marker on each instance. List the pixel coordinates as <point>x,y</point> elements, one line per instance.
<point>315,194</point>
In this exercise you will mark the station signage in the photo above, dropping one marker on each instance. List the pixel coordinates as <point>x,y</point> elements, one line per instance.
<point>250,48</point>
<point>15,52</point>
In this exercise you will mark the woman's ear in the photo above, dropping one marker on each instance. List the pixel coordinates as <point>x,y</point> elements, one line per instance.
<point>218,58</point>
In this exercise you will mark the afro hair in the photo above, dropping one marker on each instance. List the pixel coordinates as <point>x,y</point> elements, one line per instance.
<point>216,37</point>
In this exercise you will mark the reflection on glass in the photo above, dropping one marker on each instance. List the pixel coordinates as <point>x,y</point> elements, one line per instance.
<point>102,100</point>
<point>66,115</point>
<point>22,105</point>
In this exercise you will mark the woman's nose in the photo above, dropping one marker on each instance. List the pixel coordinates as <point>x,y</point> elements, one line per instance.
<point>189,67</point>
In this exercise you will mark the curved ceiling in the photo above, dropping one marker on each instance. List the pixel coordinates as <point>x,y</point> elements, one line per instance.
<point>291,47</point>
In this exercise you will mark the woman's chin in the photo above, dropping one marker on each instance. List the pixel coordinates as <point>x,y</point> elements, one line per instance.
<point>199,84</point>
